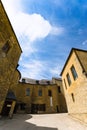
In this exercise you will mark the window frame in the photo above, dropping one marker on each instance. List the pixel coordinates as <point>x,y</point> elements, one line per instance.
<point>6,47</point>
<point>49,93</point>
<point>65,83</point>
<point>40,92</point>
<point>68,79</point>
<point>73,98</point>
<point>59,89</point>
<point>74,72</point>
<point>27,91</point>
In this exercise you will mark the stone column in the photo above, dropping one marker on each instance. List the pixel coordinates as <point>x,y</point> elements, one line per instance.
<point>12,109</point>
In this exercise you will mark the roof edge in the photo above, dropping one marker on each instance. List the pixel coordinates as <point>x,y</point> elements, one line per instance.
<point>10,25</point>
<point>73,49</point>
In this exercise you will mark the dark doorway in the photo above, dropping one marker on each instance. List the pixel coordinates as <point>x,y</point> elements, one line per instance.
<point>20,107</point>
<point>36,108</point>
<point>6,108</point>
<point>57,109</point>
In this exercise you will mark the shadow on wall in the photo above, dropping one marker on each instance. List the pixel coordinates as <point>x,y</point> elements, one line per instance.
<point>19,123</point>
<point>63,104</point>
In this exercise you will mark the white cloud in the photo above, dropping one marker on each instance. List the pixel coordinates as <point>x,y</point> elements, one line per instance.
<point>29,28</point>
<point>33,69</point>
<point>57,30</point>
<point>34,26</point>
<point>12,6</point>
<point>55,71</point>
<point>84,42</point>
<point>39,69</point>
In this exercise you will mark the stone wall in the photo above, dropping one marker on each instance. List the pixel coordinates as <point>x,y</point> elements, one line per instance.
<point>52,102</point>
<point>76,93</point>
<point>9,55</point>
<point>61,95</point>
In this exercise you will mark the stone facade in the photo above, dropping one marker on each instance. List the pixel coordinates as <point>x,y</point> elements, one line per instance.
<point>9,55</point>
<point>42,96</point>
<point>61,95</point>
<point>74,77</point>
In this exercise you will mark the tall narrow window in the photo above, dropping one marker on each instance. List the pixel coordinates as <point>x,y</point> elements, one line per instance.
<point>40,92</point>
<point>28,92</point>
<point>68,79</point>
<point>73,97</point>
<point>6,47</point>
<point>74,73</point>
<point>65,83</point>
<point>49,93</point>
<point>59,90</point>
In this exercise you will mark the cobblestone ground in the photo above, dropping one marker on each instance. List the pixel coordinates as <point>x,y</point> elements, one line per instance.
<point>41,122</point>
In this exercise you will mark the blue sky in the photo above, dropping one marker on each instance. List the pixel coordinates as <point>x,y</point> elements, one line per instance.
<point>47,30</point>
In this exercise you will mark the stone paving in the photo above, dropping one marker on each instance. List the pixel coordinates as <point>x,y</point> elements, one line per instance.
<point>41,122</point>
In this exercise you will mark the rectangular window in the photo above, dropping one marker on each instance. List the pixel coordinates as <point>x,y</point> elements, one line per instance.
<point>28,92</point>
<point>6,47</point>
<point>73,97</point>
<point>49,93</point>
<point>59,90</point>
<point>74,73</point>
<point>40,92</point>
<point>68,79</point>
<point>65,83</point>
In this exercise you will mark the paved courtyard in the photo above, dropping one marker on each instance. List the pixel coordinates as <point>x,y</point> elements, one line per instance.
<point>41,122</point>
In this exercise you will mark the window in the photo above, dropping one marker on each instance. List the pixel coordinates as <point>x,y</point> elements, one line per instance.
<point>22,106</point>
<point>23,80</point>
<point>65,83</point>
<point>73,97</point>
<point>48,82</point>
<point>6,47</point>
<point>49,93</point>
<point>74,73</point>
<point>40,92</point>
<point>68,79</point>
<point>28,92</point>
<point>37,81</point>
<point>59,90</point>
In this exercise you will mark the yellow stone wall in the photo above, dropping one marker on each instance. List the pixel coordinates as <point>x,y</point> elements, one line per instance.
<point>78,87</point>
<point>15,82</point>
<point>44,99</point>
<point>9,59</point>
<point>61,95</point>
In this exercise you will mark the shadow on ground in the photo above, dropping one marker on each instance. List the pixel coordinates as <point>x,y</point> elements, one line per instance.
<point>19,123</point>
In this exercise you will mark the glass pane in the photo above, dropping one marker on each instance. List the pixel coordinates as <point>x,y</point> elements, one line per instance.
<point>68,79</point>
<point>74,73</point>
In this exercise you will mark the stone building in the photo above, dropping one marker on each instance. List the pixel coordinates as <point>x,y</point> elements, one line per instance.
<point>40,96</point>
<point>61,95</point>
<point>74,77</point>
<point>30,96</point>
<point>9,55</point>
